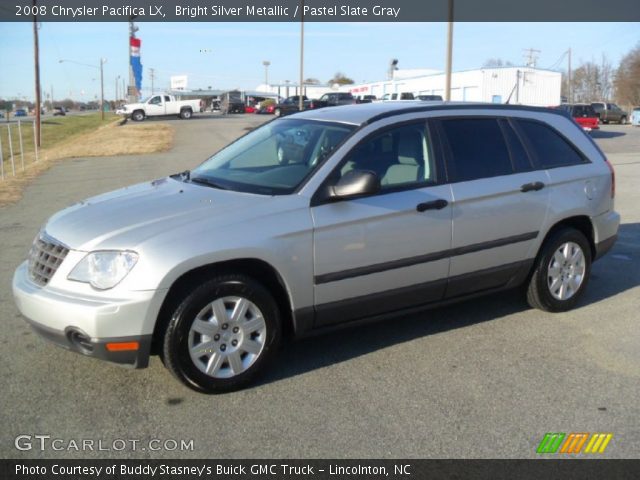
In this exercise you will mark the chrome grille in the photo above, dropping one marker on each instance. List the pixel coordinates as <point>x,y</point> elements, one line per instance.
<point>45,257</point>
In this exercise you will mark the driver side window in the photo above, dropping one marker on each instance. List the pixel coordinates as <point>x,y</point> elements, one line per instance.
<point>156,100</point>
<point>399,156</point>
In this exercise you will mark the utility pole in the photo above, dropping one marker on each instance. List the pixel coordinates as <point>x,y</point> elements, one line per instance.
<point>531,54</point>
<point>152,75</point>
<point>300,101</point>
<point>117,82</point>
<point>569,86</point>
<point>266,64</point>
<point>51,97</point>
<point>447,88</point>
<point>36,58</point>
<point>102,61</point>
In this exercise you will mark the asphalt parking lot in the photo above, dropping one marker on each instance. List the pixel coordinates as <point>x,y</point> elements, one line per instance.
<point>482,379</point>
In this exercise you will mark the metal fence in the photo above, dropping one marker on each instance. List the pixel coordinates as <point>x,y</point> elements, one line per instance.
<point>18,147</point>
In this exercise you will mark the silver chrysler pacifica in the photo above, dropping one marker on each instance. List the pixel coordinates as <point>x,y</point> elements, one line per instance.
<point>318,220</point>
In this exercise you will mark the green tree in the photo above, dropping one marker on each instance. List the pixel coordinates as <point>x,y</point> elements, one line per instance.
<point>341,79</point>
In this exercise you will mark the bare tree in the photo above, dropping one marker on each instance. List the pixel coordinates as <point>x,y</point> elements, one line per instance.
<point>627,81</point>
<point>592,82</point>
<point>496,62</point>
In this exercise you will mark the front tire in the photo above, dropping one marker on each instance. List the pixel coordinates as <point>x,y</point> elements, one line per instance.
<point>137,116</point>
<point>623,120</point>
<point>277,112</point>
<point>561,272</point>
<point>223,334</point>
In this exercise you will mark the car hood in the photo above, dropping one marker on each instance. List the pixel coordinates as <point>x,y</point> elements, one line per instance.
<point>125,218</point>
<point>133,106</point>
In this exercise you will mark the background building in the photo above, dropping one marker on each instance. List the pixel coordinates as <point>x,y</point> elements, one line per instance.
<point>517,85</point>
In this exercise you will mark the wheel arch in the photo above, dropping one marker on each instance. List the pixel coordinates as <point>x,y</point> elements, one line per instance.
<point>257,269</point>
<point>581,223</point>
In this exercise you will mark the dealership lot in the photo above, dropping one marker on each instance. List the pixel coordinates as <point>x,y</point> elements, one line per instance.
<point>486,378</point>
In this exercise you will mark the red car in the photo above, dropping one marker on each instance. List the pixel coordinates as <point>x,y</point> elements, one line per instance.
<point>584,114</point>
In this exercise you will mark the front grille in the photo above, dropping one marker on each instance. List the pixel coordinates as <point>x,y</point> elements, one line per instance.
<point>45,257</point>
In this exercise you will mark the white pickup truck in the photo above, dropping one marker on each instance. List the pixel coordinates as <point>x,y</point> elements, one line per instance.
<point>161,105</point>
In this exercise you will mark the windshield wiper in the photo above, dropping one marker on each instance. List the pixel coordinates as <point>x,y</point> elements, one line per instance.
<point>209,183</point>
<point>182,176</point>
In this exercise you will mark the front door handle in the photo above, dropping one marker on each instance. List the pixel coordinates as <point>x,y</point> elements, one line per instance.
<point>533,186</point>
<point>438,204</point>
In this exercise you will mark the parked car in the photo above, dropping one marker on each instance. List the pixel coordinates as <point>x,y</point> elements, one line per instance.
<point>635,117</point>
<point>291,105</point>
<point>59,111</point>
<point>20,113</point>
<point>365,98</point>
<point>267,107</point>
<point>610,112</point>
<point>232,102</point>
<point>379,210</point>
<point>429,98</point>
<point>333,99</point>
<point>398,96</point>
<point>162,105</point>
<point>584,115</point>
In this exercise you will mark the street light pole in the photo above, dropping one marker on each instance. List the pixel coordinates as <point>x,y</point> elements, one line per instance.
<point>447,88</point>
<point>300,101</point>
<point>266,64</point>
<point>102,62</point>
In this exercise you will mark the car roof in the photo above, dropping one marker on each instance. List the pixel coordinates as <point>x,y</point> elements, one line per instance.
<point>366,113</point>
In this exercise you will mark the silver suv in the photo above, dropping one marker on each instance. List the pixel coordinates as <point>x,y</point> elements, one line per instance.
<point>322,219</point>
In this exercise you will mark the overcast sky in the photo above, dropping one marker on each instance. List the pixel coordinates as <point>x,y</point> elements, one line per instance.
<point>230,55</point>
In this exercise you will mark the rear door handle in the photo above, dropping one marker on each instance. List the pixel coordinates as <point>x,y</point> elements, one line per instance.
<point>438,204</point>
<point>535,186</point>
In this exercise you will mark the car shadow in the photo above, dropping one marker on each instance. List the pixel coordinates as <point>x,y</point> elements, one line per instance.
<point>313,353</point>
<point>606,134</point>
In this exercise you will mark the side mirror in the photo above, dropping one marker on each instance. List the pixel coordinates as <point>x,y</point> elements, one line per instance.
<point>355,183</point>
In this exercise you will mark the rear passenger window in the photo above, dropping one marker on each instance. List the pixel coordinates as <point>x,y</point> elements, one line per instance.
<point>549,147</point>
<point>478,149</point>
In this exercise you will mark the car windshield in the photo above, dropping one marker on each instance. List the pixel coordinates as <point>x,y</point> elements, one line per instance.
<point>273,159</point>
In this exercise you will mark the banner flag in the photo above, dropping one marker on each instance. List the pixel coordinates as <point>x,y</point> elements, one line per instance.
<point>136,65</point>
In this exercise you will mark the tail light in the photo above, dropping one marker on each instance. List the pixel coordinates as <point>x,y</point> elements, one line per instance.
<point>613,178</point>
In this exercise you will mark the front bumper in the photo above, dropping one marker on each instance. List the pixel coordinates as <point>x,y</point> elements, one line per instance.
<point>107,329</point>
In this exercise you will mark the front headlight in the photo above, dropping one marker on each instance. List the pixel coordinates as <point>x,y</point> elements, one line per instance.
<point>104,270</point>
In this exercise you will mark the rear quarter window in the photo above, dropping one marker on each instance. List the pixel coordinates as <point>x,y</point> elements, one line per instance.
<point>549,147</point>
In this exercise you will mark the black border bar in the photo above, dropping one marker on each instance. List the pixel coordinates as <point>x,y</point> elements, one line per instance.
<point>322,10</point>
<point>543,468</point>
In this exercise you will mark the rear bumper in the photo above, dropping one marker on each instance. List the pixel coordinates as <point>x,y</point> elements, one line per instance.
<point>604,246</point>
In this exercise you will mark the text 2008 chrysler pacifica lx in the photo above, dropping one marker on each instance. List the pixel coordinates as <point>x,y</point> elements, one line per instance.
<point>318,220</point>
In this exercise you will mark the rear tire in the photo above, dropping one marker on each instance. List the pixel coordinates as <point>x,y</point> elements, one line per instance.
<point>222,335</point>
<point>561,271</point>
<point>277,112</point>
<point>186,113</point>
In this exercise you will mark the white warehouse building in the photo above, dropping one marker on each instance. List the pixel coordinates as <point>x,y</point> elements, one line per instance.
<point>517,85</point>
